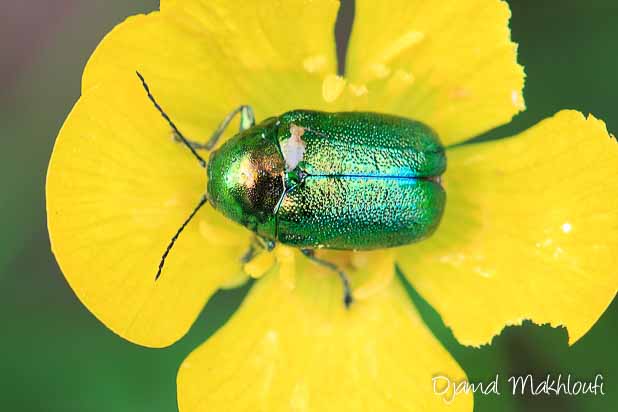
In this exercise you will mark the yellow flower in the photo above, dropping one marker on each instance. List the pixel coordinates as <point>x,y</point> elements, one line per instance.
<point>529,230</point>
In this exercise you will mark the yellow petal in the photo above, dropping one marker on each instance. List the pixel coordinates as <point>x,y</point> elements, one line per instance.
<point>119,187</point>
<point>530,231</point>
<point>301,350</point>
<point>450,64</point>
<point>204,59</point>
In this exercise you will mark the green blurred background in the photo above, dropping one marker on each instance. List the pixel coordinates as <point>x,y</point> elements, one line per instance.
<point>55,356</point>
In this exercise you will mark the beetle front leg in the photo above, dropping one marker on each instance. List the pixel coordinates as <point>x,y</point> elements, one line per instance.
<point>247,120</point>
<point>257,245</point>
<point>251,252</point>
<point>347,291</point>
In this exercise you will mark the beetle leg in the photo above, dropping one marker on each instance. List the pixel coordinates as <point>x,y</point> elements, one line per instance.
<point>267,244</point>
<point>247,120</point>
<point>194,144</point>
<point>251,252</point>
<point>347,291</point>
<point>257,245</point>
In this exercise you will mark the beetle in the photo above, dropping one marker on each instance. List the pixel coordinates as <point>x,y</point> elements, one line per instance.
<point>312,180</point>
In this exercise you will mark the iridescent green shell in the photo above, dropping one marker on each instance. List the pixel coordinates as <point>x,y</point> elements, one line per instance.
<point>335,180</point>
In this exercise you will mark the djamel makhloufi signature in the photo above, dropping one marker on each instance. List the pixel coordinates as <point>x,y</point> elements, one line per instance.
<point>551,385</point>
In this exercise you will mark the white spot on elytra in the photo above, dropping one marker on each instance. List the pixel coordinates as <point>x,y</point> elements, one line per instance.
<point>567,227</point>
<point>294,148</point>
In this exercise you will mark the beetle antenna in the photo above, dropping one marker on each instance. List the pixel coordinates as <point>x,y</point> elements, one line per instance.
<point>169,121</point>
<point>202,202</point>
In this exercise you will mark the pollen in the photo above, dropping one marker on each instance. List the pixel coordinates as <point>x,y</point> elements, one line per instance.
<point>358,90</point>
<point>404,76</point>
<point>332,87</point>
<point>517,100</point>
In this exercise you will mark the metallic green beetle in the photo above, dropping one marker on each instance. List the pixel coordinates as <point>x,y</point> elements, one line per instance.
<point>309,179</point>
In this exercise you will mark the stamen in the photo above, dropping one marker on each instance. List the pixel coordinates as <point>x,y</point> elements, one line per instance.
<point>315,64</point>
<point>400,45</point>
<point>259,265</point>
<point>332,87</point>
<point>380,70</point>
<point>358,90</point>
<point>287,265</point>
